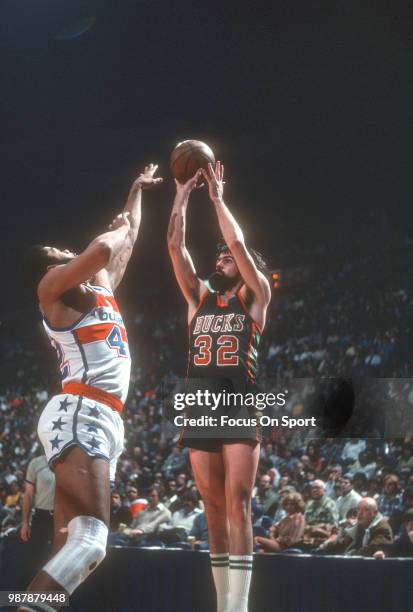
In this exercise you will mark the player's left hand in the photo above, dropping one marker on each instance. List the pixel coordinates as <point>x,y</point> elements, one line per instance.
<point>215,179</point>
<point>146,180</point>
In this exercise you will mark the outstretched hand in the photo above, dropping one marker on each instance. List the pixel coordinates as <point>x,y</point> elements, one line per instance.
<point>190,184</point>
<point>146,180</point>
<point>215,179</point>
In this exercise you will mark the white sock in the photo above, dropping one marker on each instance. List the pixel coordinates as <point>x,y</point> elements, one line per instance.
<point>220,572</point>
<point>240,570</point>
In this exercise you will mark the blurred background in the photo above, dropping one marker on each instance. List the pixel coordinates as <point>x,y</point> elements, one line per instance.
<point>307,105</point>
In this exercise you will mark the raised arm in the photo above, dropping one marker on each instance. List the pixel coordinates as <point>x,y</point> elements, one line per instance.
<point>191,286</point>
<point>117,265</point>
<point>97,256</point>
<point>234,238</point>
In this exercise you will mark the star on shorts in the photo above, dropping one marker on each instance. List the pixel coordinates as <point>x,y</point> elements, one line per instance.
<point>94,443</point>
<point>64,404</point>
<point>94,412</point>
<point>58,424</point>
<point>56,442</point>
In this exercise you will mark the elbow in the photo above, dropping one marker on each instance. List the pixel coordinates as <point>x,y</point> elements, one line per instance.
<point>173,246</point>
<point>237,244</point>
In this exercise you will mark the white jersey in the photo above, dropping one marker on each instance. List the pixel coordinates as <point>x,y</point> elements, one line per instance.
<point>94,350</point>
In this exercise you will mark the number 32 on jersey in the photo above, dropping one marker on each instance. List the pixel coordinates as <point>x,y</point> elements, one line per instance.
<point>226,353</point>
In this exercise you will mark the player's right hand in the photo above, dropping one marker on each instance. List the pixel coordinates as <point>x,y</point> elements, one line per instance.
<point>215,179</point>
<point>145,180</point>
<point>25,532</point>
<point>121,220</point>
<point>190,184</point>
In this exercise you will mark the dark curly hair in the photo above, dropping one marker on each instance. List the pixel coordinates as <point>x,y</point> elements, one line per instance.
<point>35,265</point>
<point>259,260</point>
<point>36,262</point>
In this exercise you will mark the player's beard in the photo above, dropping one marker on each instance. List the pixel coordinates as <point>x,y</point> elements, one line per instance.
<point>220,283</point>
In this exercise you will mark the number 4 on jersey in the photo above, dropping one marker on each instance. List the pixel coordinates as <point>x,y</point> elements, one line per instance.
<point>116,339</point>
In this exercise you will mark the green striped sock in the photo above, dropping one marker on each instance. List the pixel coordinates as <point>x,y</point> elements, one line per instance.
<point>240,579</point>
<point>220,572</point>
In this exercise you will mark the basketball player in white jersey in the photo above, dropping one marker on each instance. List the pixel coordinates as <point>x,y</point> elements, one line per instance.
<point>81,429</point>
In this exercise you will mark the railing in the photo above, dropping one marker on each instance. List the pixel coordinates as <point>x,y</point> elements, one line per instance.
<point>148,580</point>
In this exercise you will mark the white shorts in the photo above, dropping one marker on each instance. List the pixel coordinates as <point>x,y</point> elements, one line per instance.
<point>71,420</point>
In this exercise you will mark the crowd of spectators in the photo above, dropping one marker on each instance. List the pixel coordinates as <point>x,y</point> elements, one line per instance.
<point>346,495</point>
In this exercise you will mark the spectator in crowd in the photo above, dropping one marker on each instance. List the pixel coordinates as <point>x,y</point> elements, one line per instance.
<point>266,498</point>
<point>267,454</point>
<point>136,503</point>
<point>316,461</point>
<point>174,463</point>
<point>408,498</point>
<point>286,463</point>
<point>3,512</point>
<point>287,532</point>
<point>331,452</point>
<point>144,527</point>
<point>181,482</point>
<point>402,546</point>
<point>339,534</point>
<point>182,520</point>
<point>37,506</point>
<point>371,533</point>
<point>360,483</point>
<point>374,488</point>
<point>405,463</point>
<point>390,501</point>
<point>263,522</point>
<point>199,531</point>
<point>351,451</point>
<point>320,515</point>
<point>119,514</point>
<point>281,510</point>
<point>397,518</point>
<point>13,498</point>
<point>275,476</point>
<point>12,520</point>
<point>366,464</point>
<point>349,498</point>
<point>170,497</point>
<point>334,475</point>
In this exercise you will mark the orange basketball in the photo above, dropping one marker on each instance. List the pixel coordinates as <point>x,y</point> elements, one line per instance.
<point>188,156</point>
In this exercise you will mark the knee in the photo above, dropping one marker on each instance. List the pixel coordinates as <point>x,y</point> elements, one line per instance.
<point>215,509</point>
<point>90,535</point>
<point>240,509</point>
<point>84,550</point>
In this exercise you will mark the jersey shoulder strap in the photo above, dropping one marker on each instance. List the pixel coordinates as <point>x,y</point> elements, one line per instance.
<point>101,289</point>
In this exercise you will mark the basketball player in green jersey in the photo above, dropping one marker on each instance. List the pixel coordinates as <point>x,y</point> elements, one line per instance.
<point>226,316</point>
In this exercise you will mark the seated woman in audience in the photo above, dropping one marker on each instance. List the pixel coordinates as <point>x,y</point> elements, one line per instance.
<point>287,532</point>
